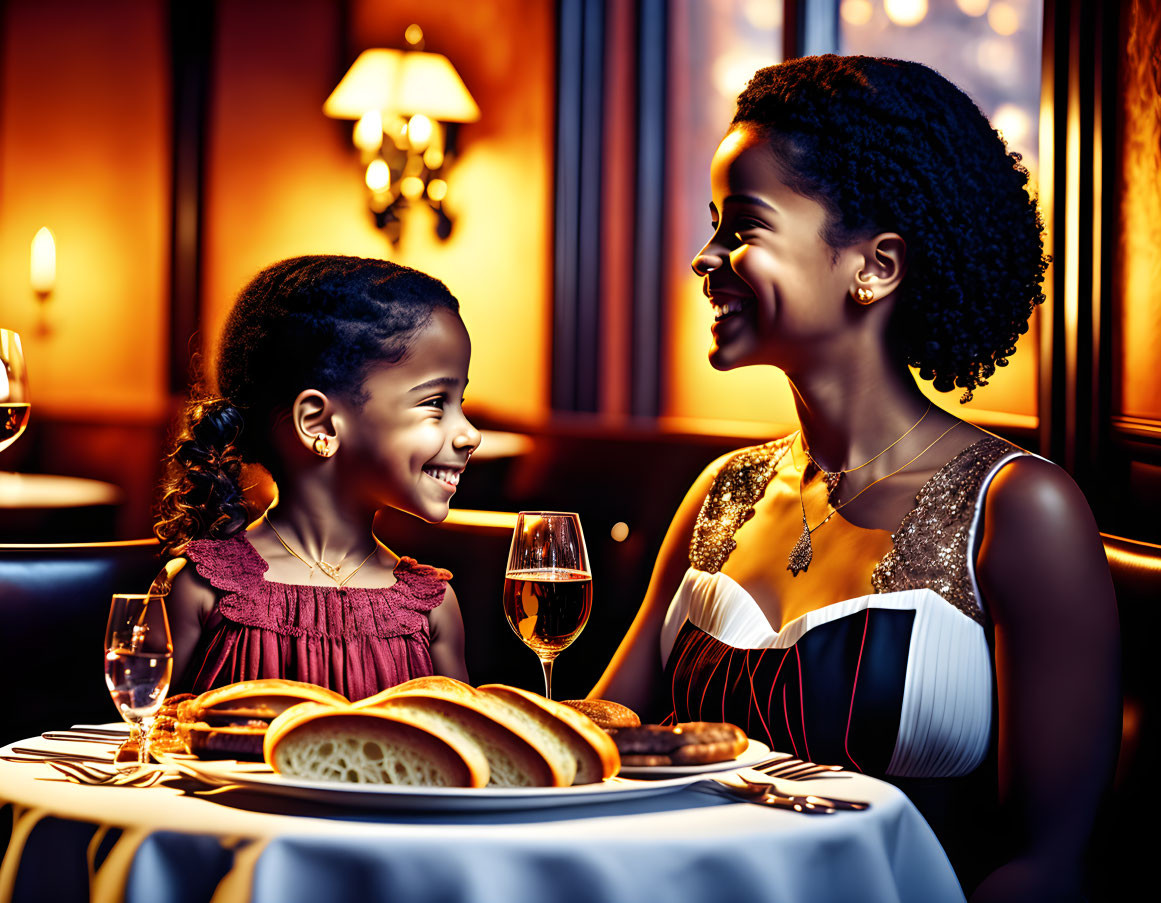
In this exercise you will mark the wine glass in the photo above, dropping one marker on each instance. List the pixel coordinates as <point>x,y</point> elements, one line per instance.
<point>14,405</point>
<point>138,661</point>
<point>548,587</point>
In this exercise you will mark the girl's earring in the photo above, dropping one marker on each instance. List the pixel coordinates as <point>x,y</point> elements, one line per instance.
<point>322,445</point>
<point>864,295</point>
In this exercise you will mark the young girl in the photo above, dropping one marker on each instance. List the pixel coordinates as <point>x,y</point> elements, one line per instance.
<point>889,588</point>
<point>343,377</point>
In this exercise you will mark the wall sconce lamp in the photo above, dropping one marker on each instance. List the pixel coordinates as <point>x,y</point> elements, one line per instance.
<point>406,104</point>
<point>42,268</point>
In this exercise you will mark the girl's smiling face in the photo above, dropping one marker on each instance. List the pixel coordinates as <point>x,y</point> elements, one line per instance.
<point>409,442</point>
<point>776,285</point>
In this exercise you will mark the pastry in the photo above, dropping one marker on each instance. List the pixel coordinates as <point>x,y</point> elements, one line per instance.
<point>230,722</point>
<point>687,743</point>
<point>606,713</point>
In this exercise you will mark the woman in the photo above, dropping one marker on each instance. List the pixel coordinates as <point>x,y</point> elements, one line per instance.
<point>890,587</point>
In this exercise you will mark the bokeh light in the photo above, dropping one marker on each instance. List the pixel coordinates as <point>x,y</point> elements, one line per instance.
<point>1004,19</point>
<point>378,175</point>
<point>905,12</point>
<point>411,188</point>
<point>1012,122</point>
<point>972,8</point>
<point>369,131</point>
<point>857,12</point>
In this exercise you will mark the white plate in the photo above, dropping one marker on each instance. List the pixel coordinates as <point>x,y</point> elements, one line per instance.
<point>258,777</point>
<point>755,752</point>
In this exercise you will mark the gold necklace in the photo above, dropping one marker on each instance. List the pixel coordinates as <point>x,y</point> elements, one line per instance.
<point>832,478</point>
<point>329,569</point>
<point>802,553</point>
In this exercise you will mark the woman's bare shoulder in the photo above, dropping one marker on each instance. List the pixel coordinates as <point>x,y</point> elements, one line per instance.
<point>1041,549</point>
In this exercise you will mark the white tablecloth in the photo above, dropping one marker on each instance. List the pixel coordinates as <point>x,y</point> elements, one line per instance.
<point>690,846</point>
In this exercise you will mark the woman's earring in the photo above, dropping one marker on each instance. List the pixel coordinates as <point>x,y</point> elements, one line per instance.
<point>322,445</point>
<point>864,295</point>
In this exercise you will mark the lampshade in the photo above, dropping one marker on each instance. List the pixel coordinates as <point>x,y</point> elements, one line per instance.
<point>402,82</point>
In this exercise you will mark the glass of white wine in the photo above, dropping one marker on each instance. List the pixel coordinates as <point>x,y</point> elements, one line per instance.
<point>548,586</point>
<point>14,404</point>
<point>138,661</point>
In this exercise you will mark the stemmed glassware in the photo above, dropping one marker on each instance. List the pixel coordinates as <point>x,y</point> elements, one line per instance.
<point>138,661</point>
<point>14,404</point>
<point>548,586</point>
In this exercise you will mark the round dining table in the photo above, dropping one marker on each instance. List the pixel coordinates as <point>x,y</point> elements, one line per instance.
<point>682,842</point>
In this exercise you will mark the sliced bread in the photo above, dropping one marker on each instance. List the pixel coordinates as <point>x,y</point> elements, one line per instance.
<point>510,760</point>
<point>593,749</point>
<point>370,746</point>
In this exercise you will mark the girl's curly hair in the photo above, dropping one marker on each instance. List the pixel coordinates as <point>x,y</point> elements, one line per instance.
<point>891,145</point>
<point>319,322</point>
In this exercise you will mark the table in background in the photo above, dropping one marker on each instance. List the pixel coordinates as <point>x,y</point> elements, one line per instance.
<point>41,507</point>
<point>688,846</point>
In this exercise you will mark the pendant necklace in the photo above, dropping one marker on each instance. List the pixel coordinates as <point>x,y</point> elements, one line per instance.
<point>802,553</point>
<point>832,478</point>
<point>329,569</point>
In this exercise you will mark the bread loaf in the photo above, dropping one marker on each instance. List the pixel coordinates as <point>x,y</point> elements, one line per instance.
<point>604,712</point>
<point>521,752</point>
<point>593,750</point>
<point>333,742</point>
<point>687,743</point>
<point>230,722</point>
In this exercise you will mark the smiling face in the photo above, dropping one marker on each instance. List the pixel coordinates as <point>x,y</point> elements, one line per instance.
<point>777,287</point>
<point>409,442</point>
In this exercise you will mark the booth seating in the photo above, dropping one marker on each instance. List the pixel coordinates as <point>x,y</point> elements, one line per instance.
<point>1122,850</point>
<point>54,601</point>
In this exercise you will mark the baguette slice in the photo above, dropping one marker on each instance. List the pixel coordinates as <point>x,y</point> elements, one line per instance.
<point>322,742</point>
<point>256,700</point>
<point>594,750</point>
<point>520,752</point>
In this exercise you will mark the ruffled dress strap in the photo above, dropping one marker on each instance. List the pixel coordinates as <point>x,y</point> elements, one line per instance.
<point>422,585</point>
<point>230,565</point>
<point>234,568</point>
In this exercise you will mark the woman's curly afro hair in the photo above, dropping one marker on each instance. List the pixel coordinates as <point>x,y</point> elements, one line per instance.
<point>890,145</point>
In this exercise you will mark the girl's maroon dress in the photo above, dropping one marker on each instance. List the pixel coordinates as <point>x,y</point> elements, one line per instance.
<point>354,640</point>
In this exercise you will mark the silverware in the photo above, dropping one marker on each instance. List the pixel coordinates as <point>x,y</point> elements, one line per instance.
<point>131,776</point>
<point>767,792</point>
<point>793,769</point>
<point>31,754</point>
<point>74,736</point>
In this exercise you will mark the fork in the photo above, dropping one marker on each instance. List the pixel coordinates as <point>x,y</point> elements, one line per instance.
<point>793,769</point>
<point>767,793</point>
<point>133,776</point>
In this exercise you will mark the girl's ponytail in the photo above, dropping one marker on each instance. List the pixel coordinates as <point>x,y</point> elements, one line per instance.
<point>201,492</point>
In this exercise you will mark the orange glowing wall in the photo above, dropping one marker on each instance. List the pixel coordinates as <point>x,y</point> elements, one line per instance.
<point>284,180</point>
<point>1138,264</point>
<point>84,150</point>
